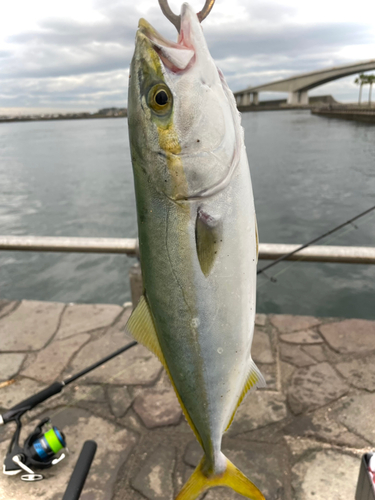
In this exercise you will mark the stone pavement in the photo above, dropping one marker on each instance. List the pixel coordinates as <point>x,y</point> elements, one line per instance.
<point>301,438</point>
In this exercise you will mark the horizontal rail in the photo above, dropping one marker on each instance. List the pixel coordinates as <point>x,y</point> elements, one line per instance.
<point>128,246</point>
<point>267,251</point>
<point>319,253</point>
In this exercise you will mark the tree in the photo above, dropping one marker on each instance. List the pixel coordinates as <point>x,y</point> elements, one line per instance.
<point>370,79</point>
<point>360,80</point>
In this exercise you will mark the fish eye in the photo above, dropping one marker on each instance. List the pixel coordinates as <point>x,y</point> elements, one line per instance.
<point>160,99</point>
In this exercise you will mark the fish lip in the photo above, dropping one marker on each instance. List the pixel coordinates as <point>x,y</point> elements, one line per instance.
<point>175,56</point>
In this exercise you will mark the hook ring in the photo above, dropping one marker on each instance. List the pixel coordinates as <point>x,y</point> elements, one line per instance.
<point>176,20</point>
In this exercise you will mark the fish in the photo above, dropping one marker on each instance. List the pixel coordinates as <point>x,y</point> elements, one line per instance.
<point>198,238</point>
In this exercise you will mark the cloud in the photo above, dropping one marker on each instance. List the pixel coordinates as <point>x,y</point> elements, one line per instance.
<point>76,63</point>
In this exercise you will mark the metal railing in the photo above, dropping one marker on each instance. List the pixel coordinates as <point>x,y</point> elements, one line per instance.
<point>128,246</point>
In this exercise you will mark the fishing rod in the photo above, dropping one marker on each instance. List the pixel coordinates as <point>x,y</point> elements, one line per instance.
<point>331,231</point>
<point>41,449</point>
<point>80,472</point>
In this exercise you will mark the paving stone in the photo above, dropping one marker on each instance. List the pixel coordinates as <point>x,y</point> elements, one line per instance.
<point>286,323</point>
<point>181,476</point>
<point>313,387</point>
<point>294,355</point>
<point>6,306</point>
<point>316,352</point>
<point>269,373</point>
<point>10,364</point>
<point>302,337</point>
<point>193,453</point>
<point>350,335</point>
<point>72,395</point>
<point>135,366</point>
<point>119,400</point>
<point>30,326</point>
<point>131,421</point>
<point>79,318</point>
<point>327,474</point>
<point>51,361</point>
<point>264,464</point>
<point>81,392</point>
<point>300,447</point>
<point>261,348</point>
<point>358,415</point>
<point>114,447</point>
<point>260,319</point>
<point>158,408</point>
<point>154,480</point>
<point>6,434</point>
<point>259,409</point>
<point>359,372</point>
<point>286,372</point>
<point>322,425</point>
<point>21,389</point>
<point>120,325</point>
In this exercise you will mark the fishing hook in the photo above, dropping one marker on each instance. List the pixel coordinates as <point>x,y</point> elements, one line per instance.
<point>176,20</point>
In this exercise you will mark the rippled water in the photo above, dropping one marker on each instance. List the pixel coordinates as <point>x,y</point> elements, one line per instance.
<point>74,178</point>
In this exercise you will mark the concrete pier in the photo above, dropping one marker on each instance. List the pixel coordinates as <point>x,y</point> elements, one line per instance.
<point>347,112</point>
<point>301,438</point>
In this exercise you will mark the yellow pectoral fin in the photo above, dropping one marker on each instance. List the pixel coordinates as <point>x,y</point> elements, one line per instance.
<point>208,236</point>
<point>141,326</point>
<point>254,379</point>
<point>232,478</point>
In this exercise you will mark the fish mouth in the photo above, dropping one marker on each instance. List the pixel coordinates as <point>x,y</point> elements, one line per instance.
<point>176,56</point>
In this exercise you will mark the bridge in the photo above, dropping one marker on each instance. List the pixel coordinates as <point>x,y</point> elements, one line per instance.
<point>298,86</point>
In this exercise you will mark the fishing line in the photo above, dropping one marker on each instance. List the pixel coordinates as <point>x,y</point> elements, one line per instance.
<point>334,238</point>
<point>336,228</point>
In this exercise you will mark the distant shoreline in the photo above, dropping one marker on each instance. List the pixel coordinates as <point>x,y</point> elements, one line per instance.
<point>103,113</point>
<point>26,119</point>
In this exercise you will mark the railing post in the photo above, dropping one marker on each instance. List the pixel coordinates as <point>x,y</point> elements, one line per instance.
<point>136,283</point>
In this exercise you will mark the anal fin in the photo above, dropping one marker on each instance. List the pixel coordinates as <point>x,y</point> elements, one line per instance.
<point>254,379</point>
<point>141,326</point>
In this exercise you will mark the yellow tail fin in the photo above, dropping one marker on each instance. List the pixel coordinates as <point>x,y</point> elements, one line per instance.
<point>232,478</point>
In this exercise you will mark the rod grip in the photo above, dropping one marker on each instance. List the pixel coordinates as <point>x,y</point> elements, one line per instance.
<point>80,472</point>
<point>32,401</point>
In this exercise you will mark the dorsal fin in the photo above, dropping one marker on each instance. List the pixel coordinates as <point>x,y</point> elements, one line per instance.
<point>208,237</point>
<point>141,326</point>
<point>254,379</point>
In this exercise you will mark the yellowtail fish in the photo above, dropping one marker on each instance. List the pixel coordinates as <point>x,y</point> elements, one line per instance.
<point>197,238</point>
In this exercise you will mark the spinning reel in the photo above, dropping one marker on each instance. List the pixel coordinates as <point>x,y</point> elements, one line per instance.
<point>40,450</point>
<point>43,449</point>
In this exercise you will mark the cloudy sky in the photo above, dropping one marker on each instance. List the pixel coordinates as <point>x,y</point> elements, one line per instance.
<point>75,54</point>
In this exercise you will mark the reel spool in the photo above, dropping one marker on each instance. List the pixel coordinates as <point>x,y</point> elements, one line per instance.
<point>40,450</point>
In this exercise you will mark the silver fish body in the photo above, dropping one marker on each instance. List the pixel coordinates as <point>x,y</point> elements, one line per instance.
<point>197,230</point>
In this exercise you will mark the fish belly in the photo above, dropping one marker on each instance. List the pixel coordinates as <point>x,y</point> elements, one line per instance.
<point>204,323</point>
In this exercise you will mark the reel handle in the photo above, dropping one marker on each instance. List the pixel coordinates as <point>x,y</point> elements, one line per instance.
<point>80,472</point>
<point>32,401</point>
